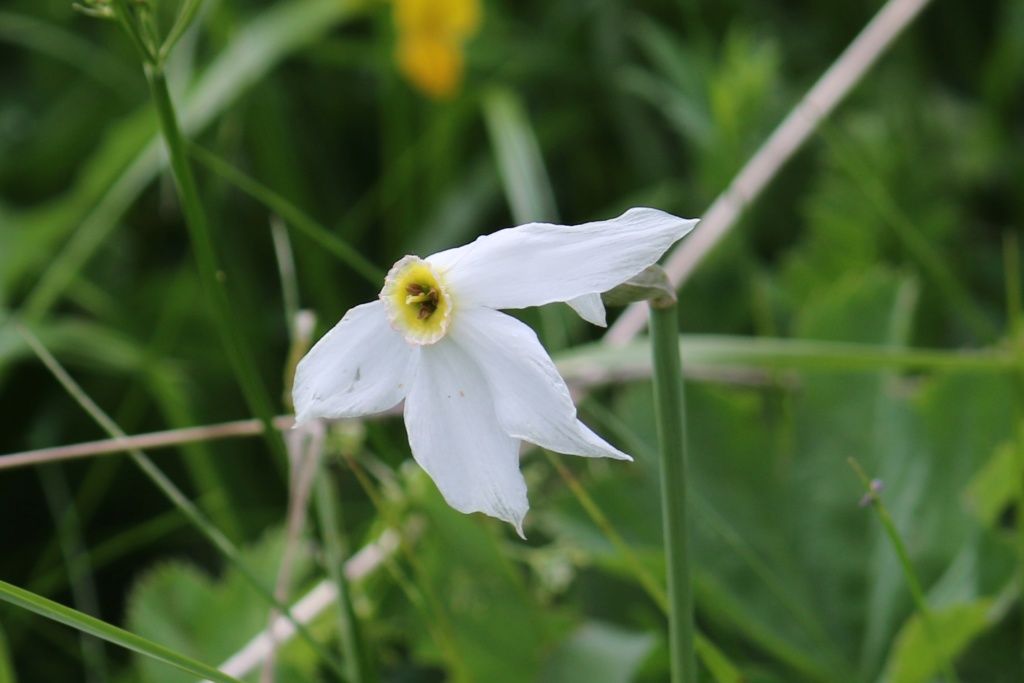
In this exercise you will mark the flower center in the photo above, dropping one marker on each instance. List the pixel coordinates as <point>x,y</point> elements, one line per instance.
<point>417,305</point>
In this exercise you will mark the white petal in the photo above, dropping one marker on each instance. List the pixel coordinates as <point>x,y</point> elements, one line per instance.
<point>361,366</point>
<point>530,397</point>
<point>455,436</point>
<point>539,263</point>
<point>590,308</point>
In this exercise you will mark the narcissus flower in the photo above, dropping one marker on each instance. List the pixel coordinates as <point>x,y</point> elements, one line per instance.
<point>431,34</point>
<point>476,381</point>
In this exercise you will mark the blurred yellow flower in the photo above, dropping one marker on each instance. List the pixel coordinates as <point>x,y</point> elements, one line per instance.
<point>431,34</point>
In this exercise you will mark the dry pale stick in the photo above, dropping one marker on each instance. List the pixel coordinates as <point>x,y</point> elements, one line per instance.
<point>305,447</point>
<point>830,89</point>
<point>577,378</point>
<point>322,596</point>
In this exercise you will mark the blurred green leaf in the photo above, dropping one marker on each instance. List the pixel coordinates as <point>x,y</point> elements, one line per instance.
<point>110,633</point>
<point>6,665</point>
<point>600,363</point>
<point>131,156</point>
<point>519,160</point>
<point>995,486</point>
<point>500,632</point>
<point>181,606</point>
<point>69,47</point>
<point>915,656</point>
<point>77,340</point>
<point>597,653</point>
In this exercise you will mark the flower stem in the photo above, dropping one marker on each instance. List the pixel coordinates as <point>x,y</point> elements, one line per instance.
<point>670,415</point>
<point>202,244</point>
<point>191,511</point>
<point>909,575</point>
<point>335,548</point>
<point>1015,318</point>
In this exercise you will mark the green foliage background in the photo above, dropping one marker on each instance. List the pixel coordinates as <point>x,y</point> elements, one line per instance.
<point>889,230</point>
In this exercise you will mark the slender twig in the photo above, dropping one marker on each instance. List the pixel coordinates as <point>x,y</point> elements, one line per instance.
<point>164,439</point>
<point>304,449</point>
<point>790,135</point>
<point>711,358</point>
<point>238,351</point>
<point>335,549</point>
<point>214,535</point>
<point>321,597</point>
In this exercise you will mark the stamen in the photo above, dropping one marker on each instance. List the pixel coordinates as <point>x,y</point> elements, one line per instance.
<point>417,304</point>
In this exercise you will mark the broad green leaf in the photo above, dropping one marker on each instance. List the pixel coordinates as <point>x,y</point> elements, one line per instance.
<point>995,486</point>
<point>842,414</point>
<point>212,618</point>
<point>917,652</point>
<point>736,524</point>
<point>597,653</point>
<point>500,632</point>
<point>87,624</point>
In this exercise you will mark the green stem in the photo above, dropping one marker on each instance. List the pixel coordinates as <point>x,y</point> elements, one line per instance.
<point>909,575</point>
<point>186,506</point>
<point>644,578</point>
<point>181,23</point>
<point>292,215</point>
<point>108,632</point>
<point>670,414</point>
<point>1015,319</point>
<point>424,596</point>
<point>212,276</point>
<point>335,550</point>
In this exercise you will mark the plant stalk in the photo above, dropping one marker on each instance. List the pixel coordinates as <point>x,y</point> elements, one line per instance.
<point>335,548</point>
<point>669,411</point>
<point>211,274</point>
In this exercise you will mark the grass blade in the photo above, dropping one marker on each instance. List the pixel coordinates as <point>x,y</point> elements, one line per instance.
<point>98,201</point>
<point>108,632</point>
<point>189,509</point>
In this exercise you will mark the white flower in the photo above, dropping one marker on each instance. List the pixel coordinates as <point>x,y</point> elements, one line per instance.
<point>477,381</point>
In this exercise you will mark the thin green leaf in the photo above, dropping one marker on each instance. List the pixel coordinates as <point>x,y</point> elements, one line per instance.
<point>519,159</point>
<point>132,157</point>
<point>214,535</point>
<point>108,632</point>
<point>711,351</point>
<point>292,215</point>
<point>6,667</point>
<point>721,669</point>
<point>66,46</point>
